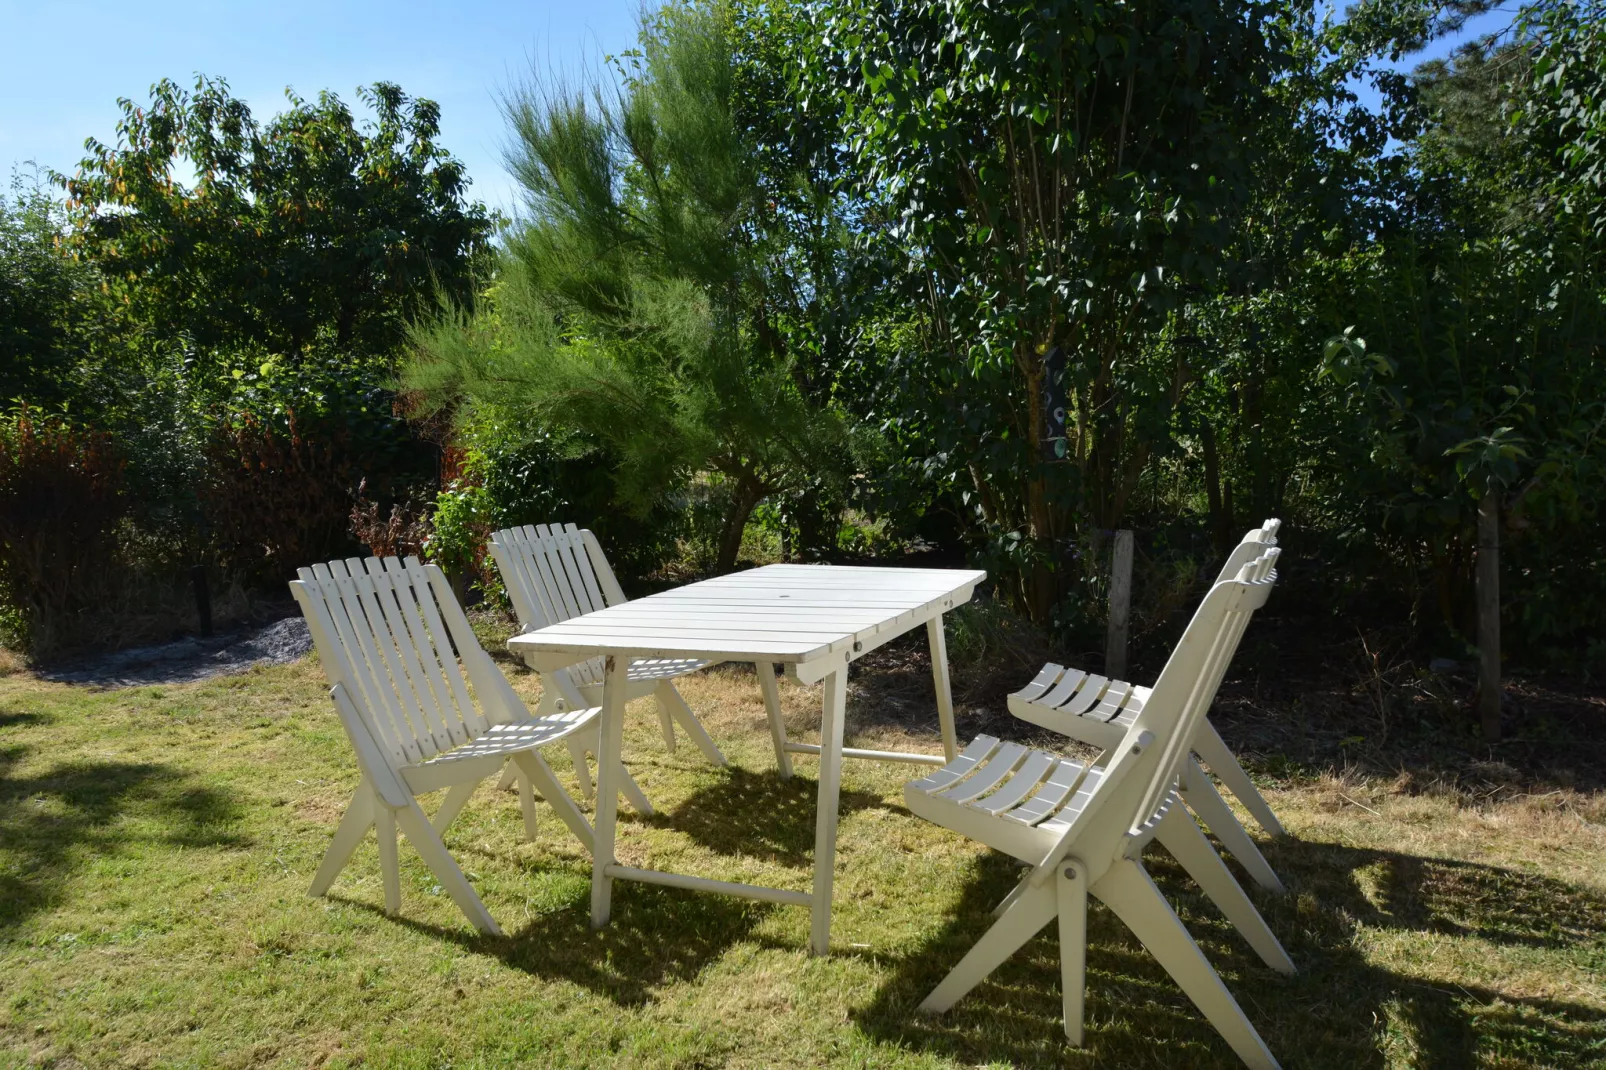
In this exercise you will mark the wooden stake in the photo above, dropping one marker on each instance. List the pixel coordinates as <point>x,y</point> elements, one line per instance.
<point>1120,606</point>
<point>203,600</point>
<point>1488,592</point>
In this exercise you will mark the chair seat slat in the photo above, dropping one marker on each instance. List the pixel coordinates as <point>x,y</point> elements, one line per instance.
<point>999,765</point>
<point>954,771</point>
<point>1050,794</point>
<point>1068,686</point>
<point>1026,778</point>
<point>1040,683</point>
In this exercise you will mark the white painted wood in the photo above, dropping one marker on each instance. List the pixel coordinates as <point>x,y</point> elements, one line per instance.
<point>937,641</point>
<point>831,726</point>
<point>904,757</point>
<point>385,630</point>
<point>1071,887</point>
<point>772,711</point>
<point>354,825</point>
<point>1083,829</point>
<point>556,573</point>
<point>607,806</point>
<point>704,884</point>
<point>1210,747</point>
<point>1094,718</point>
<point>1128,890</point>
<point>1120,604</point>
<point>1187,844</point>
<point>814,620</point>
<point>1203,799</point>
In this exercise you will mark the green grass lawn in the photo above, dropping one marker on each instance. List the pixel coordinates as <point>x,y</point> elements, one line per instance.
<point>156,845</point>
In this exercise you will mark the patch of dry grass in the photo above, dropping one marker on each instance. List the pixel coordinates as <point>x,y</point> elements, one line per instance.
<point>156,844</point>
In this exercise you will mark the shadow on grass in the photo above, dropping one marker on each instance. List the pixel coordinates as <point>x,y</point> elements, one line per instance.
<point>1339,1011</point>
<point>757,814</point>
<point>657,937</point>
<point>20,717</point>
<point>57,822</point>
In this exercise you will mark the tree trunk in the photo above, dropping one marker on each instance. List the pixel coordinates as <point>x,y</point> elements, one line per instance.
<point>1488,593</point>
<point>745,496</point>
<point>1220,522</point>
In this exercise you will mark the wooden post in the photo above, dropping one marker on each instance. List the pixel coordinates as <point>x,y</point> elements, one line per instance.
<point>1120,606</point>
<point>1488,592</point>
<point>203,600</point>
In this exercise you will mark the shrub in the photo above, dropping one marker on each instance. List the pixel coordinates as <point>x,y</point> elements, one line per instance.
<point>62,498</point>
<point>277,498</point>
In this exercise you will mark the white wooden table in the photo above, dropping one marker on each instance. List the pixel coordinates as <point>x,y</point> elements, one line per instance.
<point>814,620</point>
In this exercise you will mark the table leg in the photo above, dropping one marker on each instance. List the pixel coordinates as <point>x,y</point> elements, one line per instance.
<point>608,782</point>
<point>836,696</point>
<point>939,676</point>
<point>772,710</point>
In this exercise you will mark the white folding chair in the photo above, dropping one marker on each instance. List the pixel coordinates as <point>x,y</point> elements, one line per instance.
<point>1084,828</point>
<point>556,572</point>
<point>1098,711</point>
<point>385,629</point>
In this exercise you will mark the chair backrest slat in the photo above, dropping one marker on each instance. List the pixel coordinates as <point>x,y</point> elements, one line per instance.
<point>442,640</point>
<point>613,594</point>
<point>556,572</point>
<point>335,639</point>
<point>386,628</point>
<point>1254,543</point>
<point>1183,694</point>
<point>520,580</point>
<point>364,651</point>
<point>582,577</point>
<point>552,573</point>
<point>442,711</point>
<point>395,650</point>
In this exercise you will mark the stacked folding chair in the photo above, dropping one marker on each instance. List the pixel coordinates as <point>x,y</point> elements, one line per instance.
<point>1084,826</point>
<point>1098,711</point>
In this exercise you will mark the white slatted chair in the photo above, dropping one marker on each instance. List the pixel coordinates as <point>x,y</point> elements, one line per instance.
<point>385,631</point>
<point>1098,711</point>
<point>1084,828</point>
<point>556,572</point>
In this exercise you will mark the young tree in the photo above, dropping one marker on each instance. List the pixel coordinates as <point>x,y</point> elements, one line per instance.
<point>311,229</point>
<point>650,299</point>
<point>1059,177</point>
<point>49,303</point>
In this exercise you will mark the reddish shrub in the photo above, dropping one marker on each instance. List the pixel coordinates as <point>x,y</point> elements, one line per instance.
<point>62,497</point>
<point>277,498</point>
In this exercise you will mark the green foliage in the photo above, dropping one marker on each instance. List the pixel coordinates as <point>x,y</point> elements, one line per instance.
<point>312,228</point>
<point>62,497</point>
<point>50,303</point>
<point>646,305</point>
<point>1059,180</point>
<point>1481,304</point>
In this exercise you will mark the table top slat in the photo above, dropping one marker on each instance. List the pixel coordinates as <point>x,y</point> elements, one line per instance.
<point>784,613</point>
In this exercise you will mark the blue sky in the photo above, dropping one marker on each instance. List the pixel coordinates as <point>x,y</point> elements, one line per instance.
<point>62,67</point>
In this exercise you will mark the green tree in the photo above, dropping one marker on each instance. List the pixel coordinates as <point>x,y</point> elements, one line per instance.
<point>1060,179</point>
<point>311,229</point>
<point>50,303</point>
<point>1480,303</point>
<point>653,299</point>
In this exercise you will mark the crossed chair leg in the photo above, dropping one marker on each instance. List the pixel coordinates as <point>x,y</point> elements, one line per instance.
<point>1130,893</point>
<point>367,810</point>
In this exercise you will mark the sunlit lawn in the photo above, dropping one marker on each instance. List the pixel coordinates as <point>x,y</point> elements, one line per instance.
<point>156,845</point>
